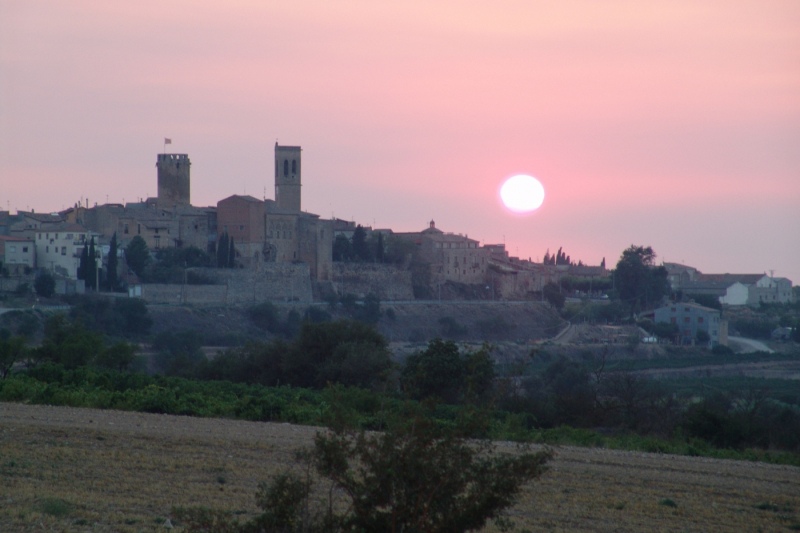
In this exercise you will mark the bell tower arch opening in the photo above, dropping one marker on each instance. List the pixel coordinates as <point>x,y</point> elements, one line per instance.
<point>288,177</point>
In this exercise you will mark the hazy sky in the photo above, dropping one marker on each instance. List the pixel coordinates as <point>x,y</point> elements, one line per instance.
<point>672,124</point>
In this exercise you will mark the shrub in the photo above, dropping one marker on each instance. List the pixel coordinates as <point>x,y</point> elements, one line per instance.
<point>45,284</point>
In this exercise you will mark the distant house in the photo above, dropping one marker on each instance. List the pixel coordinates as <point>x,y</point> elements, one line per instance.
<point>17,254</point>
<point>730,289</point>
<point>59,248</point>
<point>690,318</point>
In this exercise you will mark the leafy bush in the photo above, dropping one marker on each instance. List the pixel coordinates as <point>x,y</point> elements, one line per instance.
<point>45,284</point>
<point>414,476</point>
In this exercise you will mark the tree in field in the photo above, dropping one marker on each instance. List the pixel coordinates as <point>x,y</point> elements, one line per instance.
<point>111,276</point>
<point>137,255</point>
<point>443,372</point>
<point>414,476</point>
<point>639,282</point>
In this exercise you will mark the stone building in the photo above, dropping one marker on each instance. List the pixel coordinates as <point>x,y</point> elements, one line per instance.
<point>174,181</point>
<point>167,221</point>
<point>450,256</point>
<point>278,231</point>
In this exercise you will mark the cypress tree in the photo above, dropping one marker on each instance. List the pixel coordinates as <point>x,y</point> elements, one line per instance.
<point>111,277</point>
<point>231,253</point>
<point>91,266</point>
<point>82,265</point>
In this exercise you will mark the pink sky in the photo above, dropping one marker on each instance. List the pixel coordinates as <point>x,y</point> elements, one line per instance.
<point>669,124</point>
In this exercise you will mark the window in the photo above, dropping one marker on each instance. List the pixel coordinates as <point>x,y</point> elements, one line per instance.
<point>12,248</point>
<point>63,250</point>
<point>294,166</point>
<point>699,320</point>
<point>686,319</point>
<point>241,227</point>
<point>673,320</point>
<point>672,309</point>
<point>286,167</point>
<point>47,249</point>
<point>125,231</point>
<point>69,236</point>
<point>24,249</point>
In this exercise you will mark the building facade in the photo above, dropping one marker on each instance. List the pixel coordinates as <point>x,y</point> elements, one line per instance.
<point>689,318</point>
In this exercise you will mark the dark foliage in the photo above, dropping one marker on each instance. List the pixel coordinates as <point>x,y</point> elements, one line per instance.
<point>137,255</point>
<point>44,284</point>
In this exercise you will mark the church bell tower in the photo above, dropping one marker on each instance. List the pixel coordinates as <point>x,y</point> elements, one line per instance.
<point>287,177</point>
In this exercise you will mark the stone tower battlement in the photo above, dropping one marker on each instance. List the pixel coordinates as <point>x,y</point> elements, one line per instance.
<point>287,177</point>
<point>174,184</point>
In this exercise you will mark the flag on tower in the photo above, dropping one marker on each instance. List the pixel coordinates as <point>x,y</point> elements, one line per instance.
<point>167,141</point>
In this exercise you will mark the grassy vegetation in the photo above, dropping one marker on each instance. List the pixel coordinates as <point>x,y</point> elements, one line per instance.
<point>84,387</point>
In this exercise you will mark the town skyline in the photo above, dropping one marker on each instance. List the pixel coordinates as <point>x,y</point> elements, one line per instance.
<point>666,126</point>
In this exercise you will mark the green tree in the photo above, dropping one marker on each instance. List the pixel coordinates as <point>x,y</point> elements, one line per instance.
<point>361,250</point>
<point>137,255</point>
<point>438,371</point>
<point>320,345</point>
<point>414,476</point>
<point>638,281</point>
<point>342,249</point>
<point>83,264</point>
<point>91,270</point>
<point>12,349</point>
<point>552,293</point>
<point>44,284</point>
<point>118,356</point>
<point>380,249</point>
<point>112,279</point>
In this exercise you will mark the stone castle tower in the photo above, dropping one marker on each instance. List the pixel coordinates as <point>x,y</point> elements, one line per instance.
<point>173,179</point>
<point>287,177</point>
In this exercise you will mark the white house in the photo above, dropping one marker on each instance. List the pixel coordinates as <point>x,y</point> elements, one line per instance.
<point>59,248</point>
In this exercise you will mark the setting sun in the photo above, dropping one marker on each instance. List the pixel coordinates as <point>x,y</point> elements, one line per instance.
<point>522,193</point>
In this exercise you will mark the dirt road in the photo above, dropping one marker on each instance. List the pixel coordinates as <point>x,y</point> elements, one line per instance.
<point>117,471</point>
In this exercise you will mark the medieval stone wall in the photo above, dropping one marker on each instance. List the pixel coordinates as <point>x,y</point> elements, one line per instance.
<point>386,281</point>
<point>276,282</point>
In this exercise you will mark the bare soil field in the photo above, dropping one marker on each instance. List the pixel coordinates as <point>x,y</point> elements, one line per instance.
<point>67,469</point>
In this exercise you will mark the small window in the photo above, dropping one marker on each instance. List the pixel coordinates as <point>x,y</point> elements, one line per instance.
<point>63,250</point>
<point>47,249</point>
<point>686,320</point>
<point>241,227</point>
<point>294,166</point>
<point>24,249</point>
<point>286,167</point>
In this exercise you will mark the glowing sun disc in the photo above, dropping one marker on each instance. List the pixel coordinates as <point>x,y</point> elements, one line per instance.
<point>522,193</point>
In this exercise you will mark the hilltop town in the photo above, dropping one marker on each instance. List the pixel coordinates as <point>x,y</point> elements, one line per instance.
<point>249,250</point>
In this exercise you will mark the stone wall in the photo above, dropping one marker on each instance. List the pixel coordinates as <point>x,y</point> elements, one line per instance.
<point>386,281</point>
<point>276,282</point>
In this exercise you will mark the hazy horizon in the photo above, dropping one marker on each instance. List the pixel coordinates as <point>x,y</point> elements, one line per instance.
<point>670,125</point>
